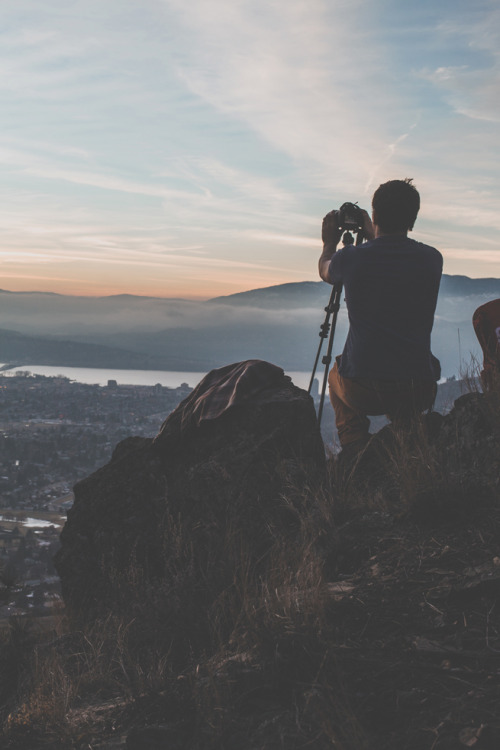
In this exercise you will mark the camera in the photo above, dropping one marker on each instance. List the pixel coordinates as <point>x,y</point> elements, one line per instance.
<point>350,217</point>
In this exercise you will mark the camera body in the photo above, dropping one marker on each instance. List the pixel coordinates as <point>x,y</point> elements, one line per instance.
<point>350,217</point>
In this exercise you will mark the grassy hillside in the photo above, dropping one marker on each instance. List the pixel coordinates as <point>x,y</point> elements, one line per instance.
<point>374,625</point>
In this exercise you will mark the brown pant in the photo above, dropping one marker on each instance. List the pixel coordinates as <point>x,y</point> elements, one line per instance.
<point>354,398</point>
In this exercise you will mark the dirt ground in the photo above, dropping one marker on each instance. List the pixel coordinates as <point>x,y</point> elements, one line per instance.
<point>418,629</point>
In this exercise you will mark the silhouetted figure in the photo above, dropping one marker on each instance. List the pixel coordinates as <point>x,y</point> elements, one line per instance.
<point>486,322</point>
<point>391,286</point>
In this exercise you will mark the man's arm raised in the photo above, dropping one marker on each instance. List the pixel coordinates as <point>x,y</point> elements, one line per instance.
<point>330,234</point>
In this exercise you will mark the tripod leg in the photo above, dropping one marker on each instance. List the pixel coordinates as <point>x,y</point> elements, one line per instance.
<point>327,359</point>
<point>323,332</point>
<point>333,307</point>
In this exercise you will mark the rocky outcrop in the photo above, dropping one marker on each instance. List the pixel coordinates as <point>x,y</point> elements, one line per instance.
<point>467,440</point>
<point>433,467</point>
<point>230,474</point>
<point>219,474</point>
<point>242,641</point>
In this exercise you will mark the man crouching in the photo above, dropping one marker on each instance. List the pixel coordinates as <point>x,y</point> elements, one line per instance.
<point>391,285</point>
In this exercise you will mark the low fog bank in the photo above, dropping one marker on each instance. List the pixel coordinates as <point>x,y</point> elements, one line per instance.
<point>63,315</point>
<point>279,324</point>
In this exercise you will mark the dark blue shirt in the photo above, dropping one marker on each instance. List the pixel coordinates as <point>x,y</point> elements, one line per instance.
<point>391,286</point>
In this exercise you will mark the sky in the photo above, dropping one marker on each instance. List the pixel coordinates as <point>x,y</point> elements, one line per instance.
<point>174,149</point>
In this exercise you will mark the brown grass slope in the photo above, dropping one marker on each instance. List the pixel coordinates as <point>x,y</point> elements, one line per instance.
<point>374,623</point>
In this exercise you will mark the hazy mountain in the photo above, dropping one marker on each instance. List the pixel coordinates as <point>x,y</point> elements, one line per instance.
<point>278,323</point>
<point>295,295</point>
<point>311,293</point>
<point>464,286</point>
<point>18,349</point>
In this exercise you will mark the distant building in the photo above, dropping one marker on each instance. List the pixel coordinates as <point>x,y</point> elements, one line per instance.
<point>315,388</point>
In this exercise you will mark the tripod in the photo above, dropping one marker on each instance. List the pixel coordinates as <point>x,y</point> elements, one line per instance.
<point>327,329</point>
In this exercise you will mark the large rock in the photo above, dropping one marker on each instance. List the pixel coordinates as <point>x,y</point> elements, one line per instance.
<point>175,511</point>
<point>440,464</point>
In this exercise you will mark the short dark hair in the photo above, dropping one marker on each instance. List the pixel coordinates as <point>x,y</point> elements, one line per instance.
<point>395,206</point>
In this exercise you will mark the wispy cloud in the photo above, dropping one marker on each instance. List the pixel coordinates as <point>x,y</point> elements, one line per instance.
<point>284,239</point>
<point>205,141</point>
<point>471,89</point>
<point>283,70</point>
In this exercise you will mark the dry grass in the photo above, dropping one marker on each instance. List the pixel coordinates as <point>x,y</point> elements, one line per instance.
<point>219,618</point>
<point>413,470</point>
<point>231,649</point>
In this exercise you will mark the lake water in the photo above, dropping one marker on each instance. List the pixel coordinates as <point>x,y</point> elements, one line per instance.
<point>96,376</point>
<point>30,522</point>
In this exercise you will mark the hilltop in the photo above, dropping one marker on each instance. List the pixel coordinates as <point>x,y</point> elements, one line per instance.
<point>313,293</point>
<point>227,589</point>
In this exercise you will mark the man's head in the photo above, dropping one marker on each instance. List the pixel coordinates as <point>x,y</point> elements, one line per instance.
<point>395,206</point>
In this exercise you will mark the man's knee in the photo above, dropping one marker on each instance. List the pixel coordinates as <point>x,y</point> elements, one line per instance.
<point>419,398</point>
<point>352,425</point>
<point>335,381</point>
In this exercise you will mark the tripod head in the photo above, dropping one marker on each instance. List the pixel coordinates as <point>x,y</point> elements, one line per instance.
<point>350,219</point>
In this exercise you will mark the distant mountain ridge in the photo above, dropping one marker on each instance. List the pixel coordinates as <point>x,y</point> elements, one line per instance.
<point>313,292</point>
<point>52,294</point>
<point>459,285</point>
<point>298,291</point>
<point>18,349</point>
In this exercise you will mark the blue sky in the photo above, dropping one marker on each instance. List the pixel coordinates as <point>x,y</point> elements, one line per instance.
<point>181,149</point>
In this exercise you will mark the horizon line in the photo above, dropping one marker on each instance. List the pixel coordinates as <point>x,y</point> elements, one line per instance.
<point>203,298</point>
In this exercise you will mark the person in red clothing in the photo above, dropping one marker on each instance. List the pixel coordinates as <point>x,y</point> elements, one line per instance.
<point>486,322</point>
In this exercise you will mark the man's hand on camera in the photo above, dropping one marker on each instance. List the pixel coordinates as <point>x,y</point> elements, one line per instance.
<point>330,232</point>
<point>368,230</point>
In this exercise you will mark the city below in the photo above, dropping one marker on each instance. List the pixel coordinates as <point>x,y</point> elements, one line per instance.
<point>54,432</point>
